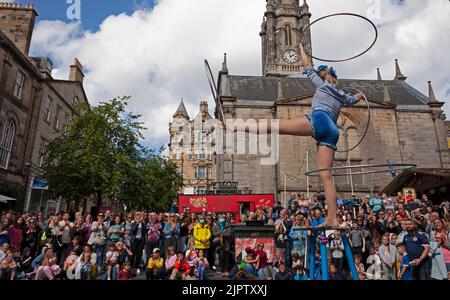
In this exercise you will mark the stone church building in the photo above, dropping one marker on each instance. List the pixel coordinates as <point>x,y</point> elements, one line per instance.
<point>406,126</point>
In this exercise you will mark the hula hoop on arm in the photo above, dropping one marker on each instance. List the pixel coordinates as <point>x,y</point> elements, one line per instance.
<point>343,14</point>
<point>369,116</point>
<point>382,168</point>
<point>214,91</point>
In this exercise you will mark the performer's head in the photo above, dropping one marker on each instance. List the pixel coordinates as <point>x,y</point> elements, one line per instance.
<point>322,71</point>
<point>328,74</point>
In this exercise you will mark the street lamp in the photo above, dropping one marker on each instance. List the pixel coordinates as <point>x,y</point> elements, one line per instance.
<point>371,176</point>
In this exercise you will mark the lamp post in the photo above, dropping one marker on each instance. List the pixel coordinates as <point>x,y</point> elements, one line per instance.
<point>371,176</point>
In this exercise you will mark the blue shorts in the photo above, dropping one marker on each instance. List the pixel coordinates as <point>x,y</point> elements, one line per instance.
<point>324,128</point>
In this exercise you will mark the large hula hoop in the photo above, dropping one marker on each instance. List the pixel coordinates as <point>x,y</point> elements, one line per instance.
<point>214,91</point>
<point>388,168</point>
<point>369,116</point>
<point>343,14</point>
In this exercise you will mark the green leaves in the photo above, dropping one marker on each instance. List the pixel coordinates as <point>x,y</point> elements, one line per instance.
<point>100,154</point>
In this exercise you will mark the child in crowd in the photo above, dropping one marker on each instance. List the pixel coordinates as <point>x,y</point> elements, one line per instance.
<point>278,259</point>
<point>201,264</point>
<point>360,267</point>
<point>181,268</point>
<point>85,266</point>
<point>170,260</point>
<point>334,273</point>
<point>296,260</point>
<point>191,254</point>
<point>283,273</point>
<point>70,264</point>
<point>300,273</point>
<point>125,272</point>
<point>405,270</point>
<point>8,267</point>
<point>111,259</point>
<point>155,265</point>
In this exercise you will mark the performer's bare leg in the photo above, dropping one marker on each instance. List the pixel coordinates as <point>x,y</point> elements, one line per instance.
<point>325,158</point>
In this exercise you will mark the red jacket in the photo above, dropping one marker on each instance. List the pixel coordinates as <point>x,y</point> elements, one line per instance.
<point>182,266</point>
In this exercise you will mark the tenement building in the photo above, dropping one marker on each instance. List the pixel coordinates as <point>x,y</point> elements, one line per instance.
<point>192,147</point>
<point>34,107</point>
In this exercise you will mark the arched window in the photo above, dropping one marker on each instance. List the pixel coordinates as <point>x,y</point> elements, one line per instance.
<point>7,143</point>
<point>288,35</point>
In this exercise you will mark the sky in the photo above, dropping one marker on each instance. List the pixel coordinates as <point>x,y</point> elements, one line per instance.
<point>153,51</point>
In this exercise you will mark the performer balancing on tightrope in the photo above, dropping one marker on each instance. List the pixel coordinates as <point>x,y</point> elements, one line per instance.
<point>321,125</point>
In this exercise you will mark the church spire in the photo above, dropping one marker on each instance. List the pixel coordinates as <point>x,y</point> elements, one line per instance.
<point>398,72</point>
<point>181,111</point>
<point>379,75</point>
<point>431,94</point>
<point>225,64</point>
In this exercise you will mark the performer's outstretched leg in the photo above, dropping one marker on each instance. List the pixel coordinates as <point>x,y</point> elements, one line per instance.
<point>325,158</point>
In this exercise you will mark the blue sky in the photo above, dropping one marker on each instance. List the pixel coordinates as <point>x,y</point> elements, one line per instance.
<point>93,12</point>
<point>153,50</point>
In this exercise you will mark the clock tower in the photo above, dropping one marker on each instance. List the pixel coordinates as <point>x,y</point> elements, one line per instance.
<point>281,34</point>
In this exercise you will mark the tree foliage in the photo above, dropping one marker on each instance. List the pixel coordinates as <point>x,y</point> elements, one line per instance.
<point>100,154</point>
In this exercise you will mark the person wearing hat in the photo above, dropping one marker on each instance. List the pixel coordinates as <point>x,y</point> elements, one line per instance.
<point>155,266</point>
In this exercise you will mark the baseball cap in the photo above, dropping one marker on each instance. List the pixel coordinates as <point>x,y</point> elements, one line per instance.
<point>156,250</point>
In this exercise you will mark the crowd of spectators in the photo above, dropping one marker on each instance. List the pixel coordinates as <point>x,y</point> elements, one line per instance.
<point>392,238</point>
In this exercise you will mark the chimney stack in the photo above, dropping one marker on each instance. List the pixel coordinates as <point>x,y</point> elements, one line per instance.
<point>76,71</point>
<point>204,106</point>
<point>17,23</point>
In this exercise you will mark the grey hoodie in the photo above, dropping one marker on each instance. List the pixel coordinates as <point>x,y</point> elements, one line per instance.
<point>328,96</point>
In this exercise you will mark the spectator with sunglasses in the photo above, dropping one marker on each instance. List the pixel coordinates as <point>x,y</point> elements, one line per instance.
<point>171,233</point>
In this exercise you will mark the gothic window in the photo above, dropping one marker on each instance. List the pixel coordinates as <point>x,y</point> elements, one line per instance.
<point>288,35</point>
<point>6,143</point>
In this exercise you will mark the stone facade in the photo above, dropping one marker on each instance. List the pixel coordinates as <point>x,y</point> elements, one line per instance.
<point>191,148</point>
<point>405,127</point>
<point>282,31</point>
<point>37,105</point>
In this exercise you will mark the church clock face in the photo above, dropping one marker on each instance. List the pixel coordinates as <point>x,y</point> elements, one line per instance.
<point>290,56</point>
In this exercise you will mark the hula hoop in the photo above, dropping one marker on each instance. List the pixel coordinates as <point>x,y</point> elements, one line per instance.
<point>343,14</point>
<point>387,168</point>
<point>369,116</point>
<point>213,86</point>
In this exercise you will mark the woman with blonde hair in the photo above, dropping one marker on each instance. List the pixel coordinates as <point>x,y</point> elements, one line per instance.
<point>321,125</point>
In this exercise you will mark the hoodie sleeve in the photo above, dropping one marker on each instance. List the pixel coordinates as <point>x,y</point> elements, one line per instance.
<point>312,75</point>
<point>349,99</point>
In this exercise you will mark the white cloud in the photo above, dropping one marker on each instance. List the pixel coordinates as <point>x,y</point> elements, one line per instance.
<point>156,56</point>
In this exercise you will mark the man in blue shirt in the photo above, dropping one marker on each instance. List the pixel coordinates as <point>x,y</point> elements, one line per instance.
<point>417,247</point>
<point>317,218</point>
<point>376,203</point>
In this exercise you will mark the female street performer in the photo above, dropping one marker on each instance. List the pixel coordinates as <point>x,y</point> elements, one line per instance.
<point>321,125</point>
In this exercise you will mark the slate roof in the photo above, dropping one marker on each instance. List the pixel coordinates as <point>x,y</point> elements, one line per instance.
<point>260,88</point>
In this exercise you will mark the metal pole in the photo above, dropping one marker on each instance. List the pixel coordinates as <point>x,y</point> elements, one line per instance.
<point>351,175</point>
<point>307,170</point>
<point>349,254</point>
<point>324,260</point>
<point>285,192</point>
<point>312,260</point>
